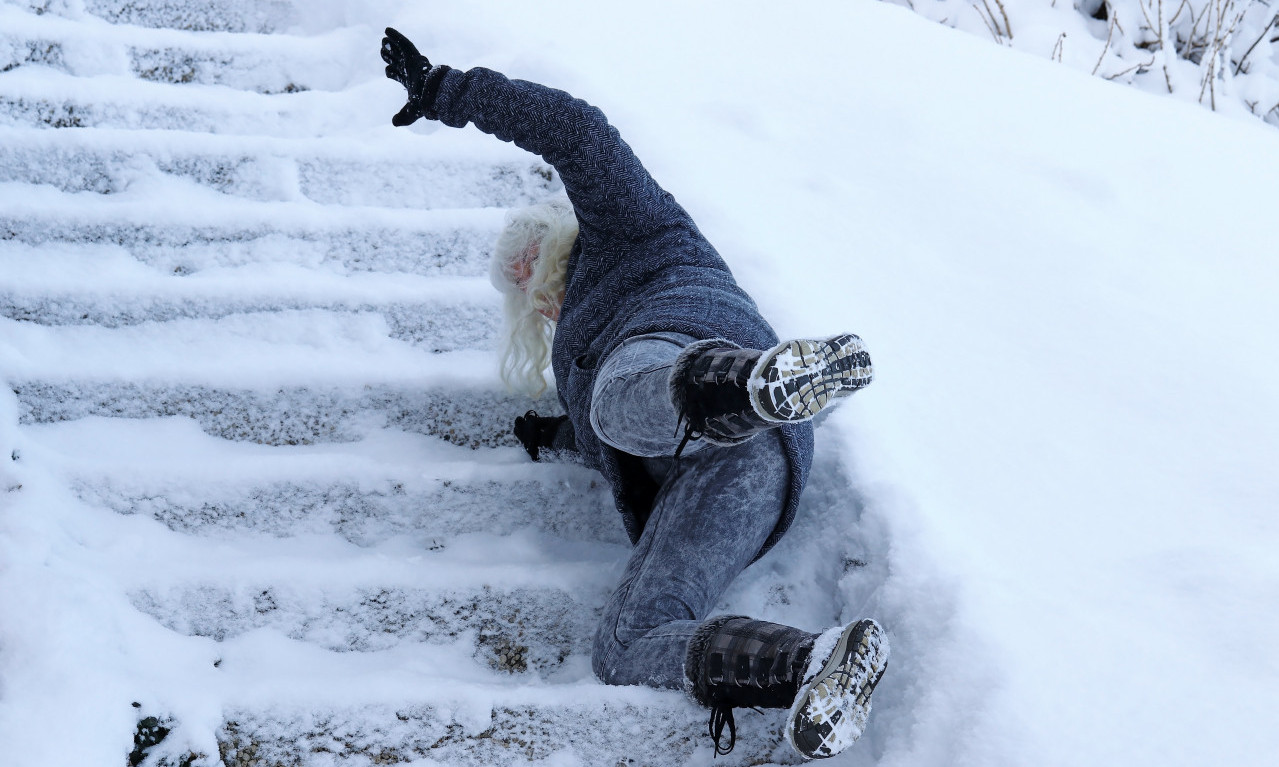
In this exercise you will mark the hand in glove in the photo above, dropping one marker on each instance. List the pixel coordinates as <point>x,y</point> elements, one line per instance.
<point>534,432</point>
<point>414,71</point>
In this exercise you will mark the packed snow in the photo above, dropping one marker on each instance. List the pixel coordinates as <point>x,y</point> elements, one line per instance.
<point>1057,497</point>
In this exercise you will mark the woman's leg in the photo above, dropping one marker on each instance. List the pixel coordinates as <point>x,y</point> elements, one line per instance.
<point>713,512</point>
<point>710,518</point>
<point>631,406</point>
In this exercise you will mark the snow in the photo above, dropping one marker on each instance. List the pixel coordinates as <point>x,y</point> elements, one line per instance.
<point>1060,486</point>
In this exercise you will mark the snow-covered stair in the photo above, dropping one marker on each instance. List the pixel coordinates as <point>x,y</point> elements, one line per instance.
<point>250,333</point>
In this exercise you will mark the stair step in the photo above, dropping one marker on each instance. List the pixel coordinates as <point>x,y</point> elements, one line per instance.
<point>604,728</point>
<point>514,628</point>
<point>523,590</point>
<point>261,16</point>
<point>30,51</point>
<point>40,97</point>
<point>531,597</point>
<point>114,161</point>
<point>177,236</point>
<point>388,485</point>
<point>275,63</point>
<point>52,287</point>
<point>284,378</point>
<point>368,513</point>
<point>436,327</point>
<point>265,71</point>
<point>286,702</point>
<point>432,327</point>
<point>292,415</point>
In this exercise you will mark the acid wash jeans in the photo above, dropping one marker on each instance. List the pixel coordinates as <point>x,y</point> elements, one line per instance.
<point>715,508</point>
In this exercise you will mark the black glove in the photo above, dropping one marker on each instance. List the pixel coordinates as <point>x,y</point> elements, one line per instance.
<point>414,71</point>
<point>534,432</point>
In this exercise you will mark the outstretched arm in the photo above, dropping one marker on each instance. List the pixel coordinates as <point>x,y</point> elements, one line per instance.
<point>610,190</point>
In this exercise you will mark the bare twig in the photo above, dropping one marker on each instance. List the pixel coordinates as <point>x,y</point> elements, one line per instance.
<point>1143,65</point>
<point>1255,43</point>
<point>1149,24</point>
<point>990,24</point>
<point>1222,19</point>
<point>1197,38</point>
<point>1057,49</point>
<point>1110,31</point>
<point>1180,8</point>
<point>1160,26</point>
<point>1004,12</point>
<point>1208,84</point>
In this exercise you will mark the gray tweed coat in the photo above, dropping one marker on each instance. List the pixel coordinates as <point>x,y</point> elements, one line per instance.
<point>640,265</point>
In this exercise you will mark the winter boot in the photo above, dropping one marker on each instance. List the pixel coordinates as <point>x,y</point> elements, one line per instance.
<point>728,394</point>
<point>825,680</point>
<point>830,710</point>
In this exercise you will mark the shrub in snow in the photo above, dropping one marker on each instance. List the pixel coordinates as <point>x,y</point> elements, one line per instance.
<point>1220,53</point>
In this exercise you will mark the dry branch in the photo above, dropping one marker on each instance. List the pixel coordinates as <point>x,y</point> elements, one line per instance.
<point>1110,31</point>
<point>1255,43</point>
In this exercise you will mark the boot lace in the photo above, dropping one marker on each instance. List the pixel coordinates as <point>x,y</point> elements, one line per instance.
<point>691,433</point>
<point>721,716</point>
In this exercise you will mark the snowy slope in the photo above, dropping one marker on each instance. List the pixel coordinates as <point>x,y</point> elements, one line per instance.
<point>309,541</point>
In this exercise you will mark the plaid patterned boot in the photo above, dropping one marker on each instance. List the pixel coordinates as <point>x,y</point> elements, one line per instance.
<point>825,680</point>
<point>728,394</point>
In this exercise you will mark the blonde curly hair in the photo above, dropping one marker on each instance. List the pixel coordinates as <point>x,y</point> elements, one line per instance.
<point>541,236</point>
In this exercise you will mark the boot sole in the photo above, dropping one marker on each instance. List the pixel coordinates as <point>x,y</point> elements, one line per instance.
<point>795,380</point>
<point>830,711</point>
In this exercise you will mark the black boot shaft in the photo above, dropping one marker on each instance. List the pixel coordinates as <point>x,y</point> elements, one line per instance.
<point>728,394</point>
<point>710,390</point>
<point>747,663</point>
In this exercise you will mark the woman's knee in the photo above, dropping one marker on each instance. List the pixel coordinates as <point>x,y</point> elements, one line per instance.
<point>617,633</point>
<point>603,400</point>
<point>605,651</point>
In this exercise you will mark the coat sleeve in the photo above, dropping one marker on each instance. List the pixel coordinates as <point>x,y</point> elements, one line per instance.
<point>609,188</point>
